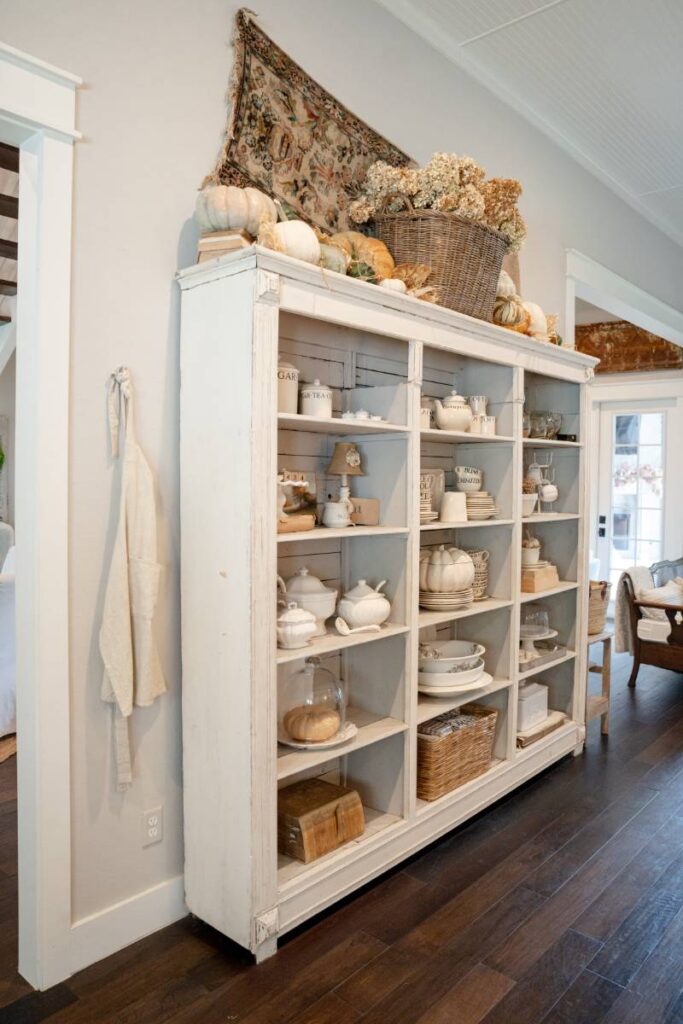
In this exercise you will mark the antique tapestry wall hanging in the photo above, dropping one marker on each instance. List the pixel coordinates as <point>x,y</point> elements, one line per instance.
<point>289,137</point>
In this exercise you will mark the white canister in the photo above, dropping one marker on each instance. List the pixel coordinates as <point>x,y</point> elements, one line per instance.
<point>316,400</point>
<point>532,705</point>
<point>287,388</point>
<point>488,424</point>
<point>476,425</point>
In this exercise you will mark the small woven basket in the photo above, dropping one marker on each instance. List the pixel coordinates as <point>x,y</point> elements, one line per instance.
<point>465,257</point>
<point>598,601</point>
<point>465,751</point>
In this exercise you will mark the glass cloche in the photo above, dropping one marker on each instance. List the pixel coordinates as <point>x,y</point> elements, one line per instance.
<point>312,705</point>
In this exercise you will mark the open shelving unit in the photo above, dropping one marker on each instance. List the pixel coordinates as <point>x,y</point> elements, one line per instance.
<point>380,352</point>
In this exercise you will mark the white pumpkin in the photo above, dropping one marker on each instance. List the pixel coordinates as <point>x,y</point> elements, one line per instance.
<point>295,238</point>
<point>228,208</point>
<point>538,327</point>
<point>506,286</point>
<point>394,284</point>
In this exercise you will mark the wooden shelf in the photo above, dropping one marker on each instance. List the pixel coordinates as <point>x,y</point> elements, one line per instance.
<point>551,517</point>
<point>429,707</point>
<point>544,442</point>
<point>371,729</point>
<point>464,437</point>
<point>548,665</point>
<point>347,533</point>
<point>561,588</point>
<point>469,524</point>
<point>334,641</point>
<point>291,872</point>
<point>336,425</point>
<point>492,604</point>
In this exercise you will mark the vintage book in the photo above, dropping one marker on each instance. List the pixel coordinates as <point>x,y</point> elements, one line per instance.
<point>218,243</point>
<point>315,817</point>
<point>365,511</point>
<point>296,523</point>
<point>554,720</point>
<point>536,580</point>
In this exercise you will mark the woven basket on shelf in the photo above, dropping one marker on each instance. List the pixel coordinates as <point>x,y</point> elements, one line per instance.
<point>597,605</point>
<point>481,574</point>
<point>445,762</point>
<point>465,257</point>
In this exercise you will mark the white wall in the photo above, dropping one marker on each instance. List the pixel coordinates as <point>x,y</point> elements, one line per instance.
<point>7,392</point>
<point>152,113</point>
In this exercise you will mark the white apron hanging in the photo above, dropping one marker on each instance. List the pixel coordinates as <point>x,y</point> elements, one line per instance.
<point>132,671</point>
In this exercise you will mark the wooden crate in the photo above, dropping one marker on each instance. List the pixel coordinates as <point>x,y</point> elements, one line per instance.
<point>536,580</point>
<point>315,817</point>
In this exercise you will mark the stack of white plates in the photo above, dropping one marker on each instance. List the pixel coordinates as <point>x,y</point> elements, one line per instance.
<point>427,514</point>
<point>446,602</point>
<point>434,684</point>
<point>480,505</point>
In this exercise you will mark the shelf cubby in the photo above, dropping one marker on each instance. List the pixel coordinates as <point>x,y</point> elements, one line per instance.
<point>559,546</point>
<point>546,393</point>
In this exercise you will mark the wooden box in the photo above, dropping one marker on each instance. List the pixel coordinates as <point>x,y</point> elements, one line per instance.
<point>315,817</point>
<point>365,511</point>
<point>536,580</point>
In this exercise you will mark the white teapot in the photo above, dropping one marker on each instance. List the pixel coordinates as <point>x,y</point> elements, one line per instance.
<point>444,570</point>
<point>310,593</point>
<point>453,413</point>
<point>364,606</point>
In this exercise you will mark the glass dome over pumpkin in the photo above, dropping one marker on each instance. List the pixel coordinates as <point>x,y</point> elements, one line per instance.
<point>311,705</point>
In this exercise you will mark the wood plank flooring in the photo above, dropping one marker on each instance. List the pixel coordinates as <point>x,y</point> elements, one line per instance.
<point>563,904</point>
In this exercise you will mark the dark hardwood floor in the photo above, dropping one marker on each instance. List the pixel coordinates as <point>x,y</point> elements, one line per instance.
<point>563,904</point>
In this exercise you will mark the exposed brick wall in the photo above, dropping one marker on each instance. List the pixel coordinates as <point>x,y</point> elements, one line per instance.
<point>623,348</point>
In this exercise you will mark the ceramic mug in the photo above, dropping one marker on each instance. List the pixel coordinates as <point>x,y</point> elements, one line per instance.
<point>488,424</point>
<point>453,507</point>
<point>475,427</point>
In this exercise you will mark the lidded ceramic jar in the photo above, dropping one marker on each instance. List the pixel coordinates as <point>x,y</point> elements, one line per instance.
<point>310,593</point>
<point>364,605</point>
<point>312,704</point>
<point>445,570</point>
<point>287,388</point>
<point>295,627</point>
<point>316,400</point>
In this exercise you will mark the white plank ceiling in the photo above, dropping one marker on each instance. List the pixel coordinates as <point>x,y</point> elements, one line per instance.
<point>603,78</point>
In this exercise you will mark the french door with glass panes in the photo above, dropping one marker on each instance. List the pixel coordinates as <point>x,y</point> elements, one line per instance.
<point>632,488</point>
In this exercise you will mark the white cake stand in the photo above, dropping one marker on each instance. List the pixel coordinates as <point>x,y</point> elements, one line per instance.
<point>529,635</point>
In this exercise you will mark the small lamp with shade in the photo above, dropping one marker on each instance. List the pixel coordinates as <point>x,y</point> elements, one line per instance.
<point>346,462</point>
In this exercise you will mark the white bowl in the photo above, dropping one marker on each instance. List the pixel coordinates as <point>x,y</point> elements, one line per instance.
<point>452,679</point>
<point>457,655</point>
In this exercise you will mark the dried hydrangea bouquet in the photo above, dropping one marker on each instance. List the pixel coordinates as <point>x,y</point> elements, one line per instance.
<point>447,215</point>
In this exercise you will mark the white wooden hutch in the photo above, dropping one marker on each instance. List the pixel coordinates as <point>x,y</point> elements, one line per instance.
<point>379,351</point>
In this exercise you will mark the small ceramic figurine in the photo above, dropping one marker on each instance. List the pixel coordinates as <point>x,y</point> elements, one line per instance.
<point>364,605</point>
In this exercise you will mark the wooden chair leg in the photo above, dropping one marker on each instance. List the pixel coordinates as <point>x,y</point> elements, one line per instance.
<point>636,666</point>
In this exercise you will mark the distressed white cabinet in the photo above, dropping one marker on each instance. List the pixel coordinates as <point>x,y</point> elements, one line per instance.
<point>379,351</point>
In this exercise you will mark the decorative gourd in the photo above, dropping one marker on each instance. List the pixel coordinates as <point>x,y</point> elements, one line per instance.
<point>363,249</point>
<point>444,570</point>
<point>394,284</point>
<point>510,312</point>
<point>292,237</point>
<point>538,327</point>
<point>506,286</point>
<point>228,208</point>
<point>333,257</point>
<point>312,723</point>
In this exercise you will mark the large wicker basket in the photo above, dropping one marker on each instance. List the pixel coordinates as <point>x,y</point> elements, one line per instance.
<point>465,257</point>
<point>465,751</point>
<point>597,606</point>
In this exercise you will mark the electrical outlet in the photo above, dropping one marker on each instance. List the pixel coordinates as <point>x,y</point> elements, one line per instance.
<point>152,826</point>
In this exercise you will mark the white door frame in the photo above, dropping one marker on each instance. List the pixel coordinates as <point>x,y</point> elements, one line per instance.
<point>38,114</point>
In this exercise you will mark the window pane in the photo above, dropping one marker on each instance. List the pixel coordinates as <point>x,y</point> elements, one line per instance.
<point>650,476</point>
<point>626,429</point>
<point>650,523</point>
<point>648,551</point>
<point>624,475</point>
<point>651,428</point>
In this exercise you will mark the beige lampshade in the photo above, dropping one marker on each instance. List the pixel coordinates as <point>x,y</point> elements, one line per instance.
<point>345,461</point>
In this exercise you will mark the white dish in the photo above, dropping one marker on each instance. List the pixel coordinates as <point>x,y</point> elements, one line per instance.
<point>454,691</point>
<point>450,654</point>
<point>343,736</point>
<point>452,678</point>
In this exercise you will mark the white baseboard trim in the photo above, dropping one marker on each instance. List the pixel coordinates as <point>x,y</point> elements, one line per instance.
<point>95,937</point>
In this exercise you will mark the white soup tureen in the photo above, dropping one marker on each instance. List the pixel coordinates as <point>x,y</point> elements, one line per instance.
<point>364,606</point>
